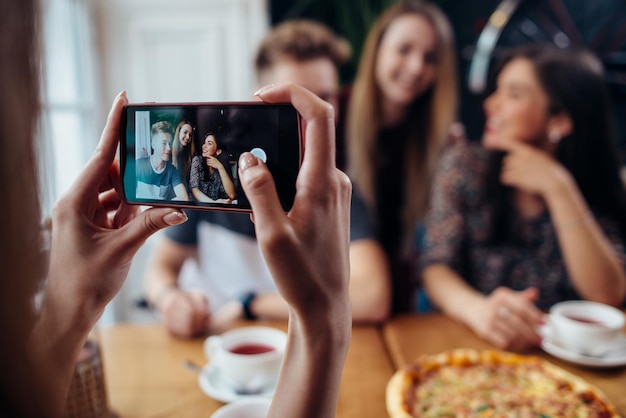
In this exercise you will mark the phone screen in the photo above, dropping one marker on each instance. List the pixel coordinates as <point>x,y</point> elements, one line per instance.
<point>186,155</point>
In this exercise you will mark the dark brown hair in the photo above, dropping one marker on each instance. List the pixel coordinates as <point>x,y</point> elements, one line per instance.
<point>300,40</point>
<point>21,258</point>
<point>575,85</point>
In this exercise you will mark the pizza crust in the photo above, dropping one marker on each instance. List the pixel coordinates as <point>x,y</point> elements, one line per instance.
<point>403,387</point>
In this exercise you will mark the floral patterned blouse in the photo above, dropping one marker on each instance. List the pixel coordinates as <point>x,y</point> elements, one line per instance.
<point>458,225</point>
<point>208,183</point>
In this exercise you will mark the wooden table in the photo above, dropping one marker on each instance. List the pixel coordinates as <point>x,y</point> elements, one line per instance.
<point>145,376</point>
<point>409,336</point>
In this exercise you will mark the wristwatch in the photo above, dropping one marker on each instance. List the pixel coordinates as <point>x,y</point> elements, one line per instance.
<point>246,301</point>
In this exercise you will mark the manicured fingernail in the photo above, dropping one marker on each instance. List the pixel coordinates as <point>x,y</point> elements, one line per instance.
<point>264,89</point>
<point>175,218</point>
<point>247,160</point>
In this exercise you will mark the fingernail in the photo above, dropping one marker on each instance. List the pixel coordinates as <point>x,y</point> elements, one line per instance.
<point>175,218</point>
<point>247,160</point>
<point>120,96</point>
<point>264,89</point>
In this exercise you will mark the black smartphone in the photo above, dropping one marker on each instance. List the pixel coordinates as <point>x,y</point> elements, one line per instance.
<point>186,154</point>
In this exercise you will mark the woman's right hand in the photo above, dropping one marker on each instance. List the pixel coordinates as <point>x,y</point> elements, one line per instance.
<point>306,251</point>
<point>508,319</point>
<point>307,248</point>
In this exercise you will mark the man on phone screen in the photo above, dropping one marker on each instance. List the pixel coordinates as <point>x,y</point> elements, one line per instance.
<point>209,270</point>
<point>157,178</point>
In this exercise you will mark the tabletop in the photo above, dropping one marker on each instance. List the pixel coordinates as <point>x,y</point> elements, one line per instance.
<point>409,336</point>
<point>145,376</point>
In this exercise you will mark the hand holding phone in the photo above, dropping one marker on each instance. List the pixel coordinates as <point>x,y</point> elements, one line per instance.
<point>186,155</point>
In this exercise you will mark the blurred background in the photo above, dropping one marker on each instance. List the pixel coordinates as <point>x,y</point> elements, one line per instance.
<point>202,50</point>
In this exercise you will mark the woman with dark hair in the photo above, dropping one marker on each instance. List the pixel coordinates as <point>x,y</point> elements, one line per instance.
<point>538,213</point>
<point>210,180</point>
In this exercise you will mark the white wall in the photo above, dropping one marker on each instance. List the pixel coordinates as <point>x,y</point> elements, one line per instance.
<point>172,51</point>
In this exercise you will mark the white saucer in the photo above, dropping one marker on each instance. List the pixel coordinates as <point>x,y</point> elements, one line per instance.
<point>613,358</point>
<point>211,384</point>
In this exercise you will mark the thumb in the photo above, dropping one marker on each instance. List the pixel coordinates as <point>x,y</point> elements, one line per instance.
<point>147,223</point>
<point>260,189</point>
<point>531,294</point>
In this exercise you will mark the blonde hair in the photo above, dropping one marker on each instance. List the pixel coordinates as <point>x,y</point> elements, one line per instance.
<point>429,122</point>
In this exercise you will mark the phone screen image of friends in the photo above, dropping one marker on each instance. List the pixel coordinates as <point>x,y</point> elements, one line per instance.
<point>188,155</point>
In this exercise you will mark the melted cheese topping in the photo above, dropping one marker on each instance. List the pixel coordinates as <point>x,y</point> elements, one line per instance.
<point>499,390</point>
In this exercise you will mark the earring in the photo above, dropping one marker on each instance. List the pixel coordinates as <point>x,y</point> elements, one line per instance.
<point>554,137</point>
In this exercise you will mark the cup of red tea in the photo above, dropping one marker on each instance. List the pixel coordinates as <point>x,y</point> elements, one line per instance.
<point>248,358</point>
<point>585,327</point>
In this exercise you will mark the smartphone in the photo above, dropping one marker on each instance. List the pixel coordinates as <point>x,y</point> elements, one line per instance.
<point>186,154</point>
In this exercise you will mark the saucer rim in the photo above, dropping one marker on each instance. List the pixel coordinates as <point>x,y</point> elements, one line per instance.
<point>557,350</point>
<point>206,379</point>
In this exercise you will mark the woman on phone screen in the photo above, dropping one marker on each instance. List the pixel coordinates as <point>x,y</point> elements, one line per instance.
<point>210,180</point>
<point>183,149</point>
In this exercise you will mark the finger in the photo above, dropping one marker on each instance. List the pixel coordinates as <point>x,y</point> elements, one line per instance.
<point>525,333</point>
<point>135,233</point>
<point>113,180</point>
<point>124,214</point>
<point>98,166</point>
<point>531,313</point>
<point>319,117</point>
<point>498,338</point>
<point>200,311</point>
<point>258,184</point>
<point>109,200</point>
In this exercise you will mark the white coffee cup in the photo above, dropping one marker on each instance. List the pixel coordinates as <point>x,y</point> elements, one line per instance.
<point>248,358</point>
<point>585,327</point>
<point>244,408</point>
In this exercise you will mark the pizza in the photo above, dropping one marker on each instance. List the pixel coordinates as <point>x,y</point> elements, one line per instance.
<point>491,383</point>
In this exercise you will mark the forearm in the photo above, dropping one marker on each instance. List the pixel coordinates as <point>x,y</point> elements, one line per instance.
<point>308,386</point>
<point>590,259</point>
<point>199,196</point>
<point>181,193</point>
<point>270,306</point>
<point>229,187</point>
<point>370,289</point>
<point>159,279</point>
<point>54,344</point>
<point>447,290</point>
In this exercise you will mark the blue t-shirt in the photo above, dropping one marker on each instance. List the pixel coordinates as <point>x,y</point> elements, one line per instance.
<point>153,185</point>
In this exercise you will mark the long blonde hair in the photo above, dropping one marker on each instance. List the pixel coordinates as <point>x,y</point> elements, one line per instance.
<point>429,123</point>
<point>181,156</point>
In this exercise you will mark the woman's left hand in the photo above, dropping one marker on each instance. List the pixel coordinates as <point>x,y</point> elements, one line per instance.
<point>531,169</point>
<point>214,162</point>
<point>95,234</point>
